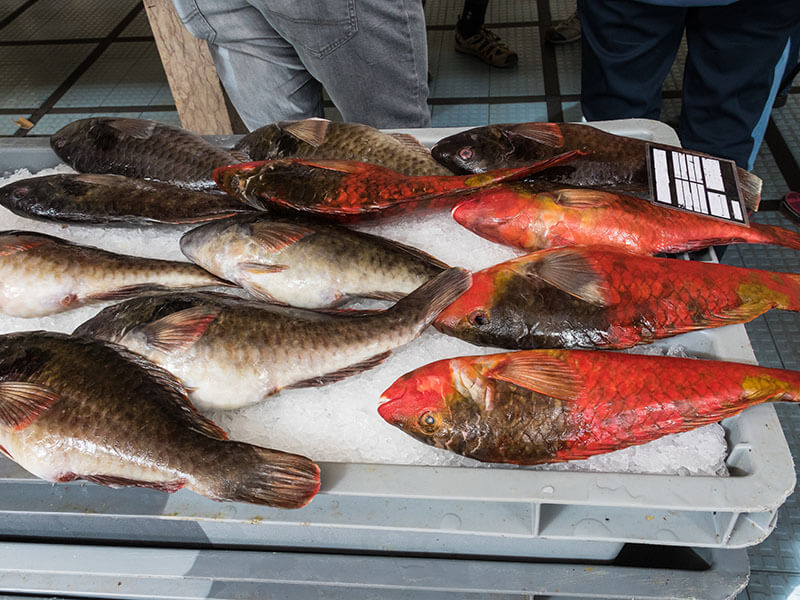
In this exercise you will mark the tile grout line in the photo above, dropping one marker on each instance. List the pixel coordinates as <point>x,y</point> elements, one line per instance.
<point>84,66</point>
<point>552,89</point>
<point>10,18</point>
<point>783,156</point>
<point>73,41</point>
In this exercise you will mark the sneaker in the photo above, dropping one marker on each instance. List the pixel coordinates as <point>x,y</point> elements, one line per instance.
<point>791,202</point>
<point>569,30</point>
<point>488,47</point>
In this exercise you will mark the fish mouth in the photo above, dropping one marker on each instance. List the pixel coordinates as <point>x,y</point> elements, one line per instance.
<point>387,409</point>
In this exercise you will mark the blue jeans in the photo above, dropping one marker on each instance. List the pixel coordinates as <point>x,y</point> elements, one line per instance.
<point>275,56</point>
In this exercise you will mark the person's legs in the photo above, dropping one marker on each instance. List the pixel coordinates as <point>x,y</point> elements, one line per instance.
<point>627,50</point>
<point>473,38</point>
<point>371,57</point>
<point>737,56</point>
<point>261,72</point>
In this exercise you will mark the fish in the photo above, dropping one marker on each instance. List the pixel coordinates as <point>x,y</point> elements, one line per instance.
<point>603,297</point>
<point>352,190</point>
<point>518,215</point>
<point>140,148</point>
<point>89,198</point>
<point>610,160</point>
<point>73,408</point>
<point>321,138</point>
<point>301,262</point>
<point>44,275</point>
<point>230,352</point>
<point>546,406</point>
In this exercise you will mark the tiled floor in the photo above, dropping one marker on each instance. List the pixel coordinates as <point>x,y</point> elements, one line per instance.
<point>66,59</point>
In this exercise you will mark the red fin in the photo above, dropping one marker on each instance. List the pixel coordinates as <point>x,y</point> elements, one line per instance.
<point>113,481</point>
<point>135,128</point>
<point>252,268</point>
<point>6,452</point>
<point>542,165</point>
<point>180,329</point>
<point>584,198</point>
<point>21,402</point>
<point>342,373</point>
<point>570,270</point>
<point>19,245</point>
<point>277,236</point>
<point>540,372</point>
<point>311,131</point>
<point>750,185</point>
<point>548,134</point>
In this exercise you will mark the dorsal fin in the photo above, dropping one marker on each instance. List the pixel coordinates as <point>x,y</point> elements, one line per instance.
<point>548,134</point>
<point>135,128</point>
<point>411,143</point>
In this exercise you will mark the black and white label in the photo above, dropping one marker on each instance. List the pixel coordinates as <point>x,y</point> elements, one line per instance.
<point>695,183</point>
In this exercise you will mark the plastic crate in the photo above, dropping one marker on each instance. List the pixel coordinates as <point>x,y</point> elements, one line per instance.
<point>500,512</point>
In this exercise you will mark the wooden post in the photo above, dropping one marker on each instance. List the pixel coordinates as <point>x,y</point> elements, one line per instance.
<point>190,71</point>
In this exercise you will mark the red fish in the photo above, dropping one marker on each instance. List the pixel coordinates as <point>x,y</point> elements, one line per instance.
<point>349,189</point>
<point>540,406</point>
<point>602,297</point>
<point>517,215</point>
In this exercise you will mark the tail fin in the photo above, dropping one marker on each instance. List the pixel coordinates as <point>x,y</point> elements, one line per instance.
<point>432,297</point>
<point>778,236</point>
<point>247,473</point>
<point>751,188</point>
<point>789,299</point>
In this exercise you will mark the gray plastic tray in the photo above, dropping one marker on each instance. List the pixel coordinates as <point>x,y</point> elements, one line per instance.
<point>368,507</point>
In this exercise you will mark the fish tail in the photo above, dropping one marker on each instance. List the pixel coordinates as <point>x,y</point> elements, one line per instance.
<point>789,298</point>
<point>240,472</point>
<point>778,236</point>
<point>433,296</point>
<point>751,188</point>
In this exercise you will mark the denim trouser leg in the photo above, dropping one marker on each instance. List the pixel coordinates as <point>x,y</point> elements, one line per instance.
<point>272,56</point>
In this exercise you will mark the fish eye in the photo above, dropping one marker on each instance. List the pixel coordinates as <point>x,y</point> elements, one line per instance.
<point>429,421</point>
<point>19,193</point>
<point>465,153</point>
<point>479,318</point>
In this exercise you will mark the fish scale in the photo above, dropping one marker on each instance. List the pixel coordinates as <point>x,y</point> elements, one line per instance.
<point>558,405</point>
<point>547,299</point>
<point>519,215</point>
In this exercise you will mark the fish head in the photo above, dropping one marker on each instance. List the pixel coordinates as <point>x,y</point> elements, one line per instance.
<point>233,179</point>
<point>496,311</point>
<point>505,213</point>
<point>17,194</point>
<point>220,246</point>
<point>474,151</point>
<point>417,402</point>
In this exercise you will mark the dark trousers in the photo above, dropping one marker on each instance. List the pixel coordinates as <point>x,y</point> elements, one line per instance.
<point>736,58</point>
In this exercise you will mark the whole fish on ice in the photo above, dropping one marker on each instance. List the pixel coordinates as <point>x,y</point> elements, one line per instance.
<point>609,160</point>
<point>321,138</point>
<point>231,352</point>
<point>42,275</point>
<point>601,297</point>
<point>89,198</point>
<point>542,406</point>
<point>306,263</point>
<point>351,190</point>
<point>518,215</point>
<point>140,148</point>
<point>74,408</point>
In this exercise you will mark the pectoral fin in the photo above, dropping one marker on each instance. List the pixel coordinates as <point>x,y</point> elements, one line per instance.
<point>311,131</point>
<point>584,198</point>
<point>548,134</point>
<point>568,269</point>
<point>277,236</point>
<point>21,402</point>
<point>180,329</point>
<point>541,372</point>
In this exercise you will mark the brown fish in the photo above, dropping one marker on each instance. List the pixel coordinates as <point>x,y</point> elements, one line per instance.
<point>73,408</point>
<point>140,148</point>
<point>609,160</point>
<point>89,198</point>
<point>320,138</point>
<point>232,353</point>
<point>307,263</point>
<point>42,275</point>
